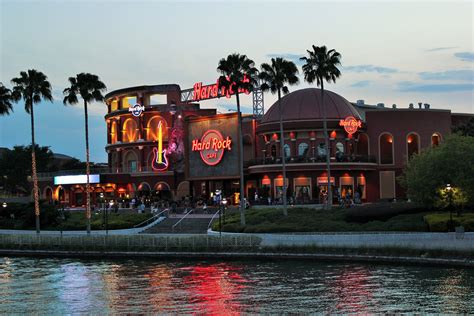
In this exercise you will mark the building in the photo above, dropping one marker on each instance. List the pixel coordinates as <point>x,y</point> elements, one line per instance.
<point>161,148</point>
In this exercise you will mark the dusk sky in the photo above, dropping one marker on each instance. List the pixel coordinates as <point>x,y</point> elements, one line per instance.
<point>392,52</point>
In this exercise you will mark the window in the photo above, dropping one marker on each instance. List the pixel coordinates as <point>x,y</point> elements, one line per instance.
<point>113,106</point>
<point>128,102</point>
<point>132,166</point>
<point>339,151</point>
<point>386,149</point>
<point>273,151</point>
<point>303,149</point>
<point>435,139</point>
<point>130,131</point>
<point>152,129</point>
<point>363,145</point>
<point>287,150</point>
<point>413,144</point>
<point>322,151</point>
<point>158,99</point>
<point>113,132</point>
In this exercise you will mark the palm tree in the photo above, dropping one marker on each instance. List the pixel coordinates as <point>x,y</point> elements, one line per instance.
<point>5,100</point>
<point>90,88</point>
<point>321,65</point>
<point>274,78</point>
<point>33,87</point>
<point>238,73</point>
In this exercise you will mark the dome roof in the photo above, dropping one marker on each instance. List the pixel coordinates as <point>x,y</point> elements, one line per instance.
<point>305,104</point>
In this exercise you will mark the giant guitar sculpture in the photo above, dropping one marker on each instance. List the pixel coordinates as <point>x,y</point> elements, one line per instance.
<point>160,162</point>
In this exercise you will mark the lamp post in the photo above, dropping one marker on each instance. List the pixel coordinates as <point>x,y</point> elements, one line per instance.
<point>224,203</point>
<point>449,193</point>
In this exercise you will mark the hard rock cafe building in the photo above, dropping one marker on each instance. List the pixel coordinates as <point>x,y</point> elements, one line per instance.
<point>161,148</point>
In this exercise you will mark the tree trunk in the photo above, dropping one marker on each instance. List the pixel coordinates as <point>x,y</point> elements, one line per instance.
<point>282,150</point>
<point>328,153</point>
<point>33,169</point>
<point>88,193</point>
<point>241,162</point>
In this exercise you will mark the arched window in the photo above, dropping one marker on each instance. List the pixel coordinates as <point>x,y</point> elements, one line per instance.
<point>302,149</point>
<point>386,149</point>
<point>130,131</point>
<point>413,144</point>
<point>287,150</point>
<point>152,128</point>
<point>340,148</point>
<point>363,145</point>
<point>435,139</point>
<point>113,132</point>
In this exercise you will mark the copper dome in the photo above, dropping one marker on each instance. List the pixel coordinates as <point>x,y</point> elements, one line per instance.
<point>305,104</point>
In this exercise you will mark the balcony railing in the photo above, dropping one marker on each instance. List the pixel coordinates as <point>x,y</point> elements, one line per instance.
<point>317,159</point>
<point>96,170</point>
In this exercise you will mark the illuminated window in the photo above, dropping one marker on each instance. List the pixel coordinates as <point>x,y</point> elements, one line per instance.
<point>413,144</point>
<point>152,129</point>
<point>128,102</point>
<point>113,132</point>
<point>435,139</point>
<point>130,131</point>
<point>303,149</point>
<point>386,149</point>
<point>113,106</point>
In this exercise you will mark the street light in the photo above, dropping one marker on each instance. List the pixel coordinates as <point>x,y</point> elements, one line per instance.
<point>106,215</point>
<point>449,194</point>
<point>4,204</point>
<point>224,202</point>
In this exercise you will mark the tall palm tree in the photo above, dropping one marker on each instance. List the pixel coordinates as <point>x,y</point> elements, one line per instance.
<point>274,78</point>
<point>5,100</point>
<point>321,65</point>
<point>238,73</point>
<point>90,88</point>
<point>32,86</point>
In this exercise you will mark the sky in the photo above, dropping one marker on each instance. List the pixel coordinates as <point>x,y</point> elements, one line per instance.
<point>394,52</point>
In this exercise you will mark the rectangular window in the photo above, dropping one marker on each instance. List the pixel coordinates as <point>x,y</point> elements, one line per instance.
<point>278,184</point>
<point>158,99</point>
<point>132,166</point>
<point>113,106</point>
<point>346,187</point>
<point>128,102</point>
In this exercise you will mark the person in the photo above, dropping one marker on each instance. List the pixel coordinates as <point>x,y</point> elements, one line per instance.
<point>142,208</point>
<point>357,197</point>
<point>269,200</point>
<point>116,208</point>
<point>256,196</point>
<point>204,208</point>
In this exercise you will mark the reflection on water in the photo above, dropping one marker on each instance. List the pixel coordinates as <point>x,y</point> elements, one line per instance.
<point>65,286</point>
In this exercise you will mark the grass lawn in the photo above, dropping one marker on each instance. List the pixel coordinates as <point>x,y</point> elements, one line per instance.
<point>271,220</point>
<point>77,221</point>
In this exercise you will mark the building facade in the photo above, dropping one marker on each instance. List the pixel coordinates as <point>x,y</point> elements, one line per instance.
<point>160,148</point>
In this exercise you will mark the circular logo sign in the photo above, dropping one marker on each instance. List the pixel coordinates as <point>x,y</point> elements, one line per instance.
<point>351,124</point>
<point>136,110</point>
<point>212,147</point>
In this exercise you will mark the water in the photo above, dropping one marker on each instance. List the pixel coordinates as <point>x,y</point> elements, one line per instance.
<point>65,286</point>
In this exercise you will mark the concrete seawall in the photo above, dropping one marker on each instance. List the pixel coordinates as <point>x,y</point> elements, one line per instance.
<point>418,241</point>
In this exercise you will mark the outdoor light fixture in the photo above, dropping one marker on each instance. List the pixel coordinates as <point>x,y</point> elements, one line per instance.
<point>4,204</point>
<point>448,187</point>
<point>224,201</point>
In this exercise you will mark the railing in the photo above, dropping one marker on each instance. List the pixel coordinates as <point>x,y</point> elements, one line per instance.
<point>179,222</point>
<point>97,170</point>
<point>151,219</point>
<point>212,219</point>
<point>316,159</point>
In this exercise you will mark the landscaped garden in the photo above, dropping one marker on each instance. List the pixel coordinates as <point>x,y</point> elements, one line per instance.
<point>374,217</point>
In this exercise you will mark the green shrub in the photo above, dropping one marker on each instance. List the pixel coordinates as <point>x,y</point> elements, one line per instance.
<point>380,211</point>
<point>438,222</point>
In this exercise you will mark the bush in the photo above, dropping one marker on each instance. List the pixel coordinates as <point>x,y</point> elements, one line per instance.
<point>24,216</point>
<point>380,211</point>
<point>439,222</point>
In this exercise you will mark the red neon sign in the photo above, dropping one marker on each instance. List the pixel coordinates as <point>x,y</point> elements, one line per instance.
<point>212,147</point>
<point>216,91</point>
<point>350,124</point>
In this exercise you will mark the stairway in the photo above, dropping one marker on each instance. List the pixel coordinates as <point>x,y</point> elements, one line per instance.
<point>187,226</point>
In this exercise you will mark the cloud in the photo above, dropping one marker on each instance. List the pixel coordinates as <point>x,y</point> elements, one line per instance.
<point>463,75</point>
<point>440,48</point>
<point>407,86</point>
<point>361,84</point>
<point>369,68</point>
<point>465,56</point>
<point>293,57</point>
<point>229,107</point>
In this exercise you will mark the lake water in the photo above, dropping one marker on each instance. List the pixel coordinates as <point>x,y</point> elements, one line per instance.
<point>65,286</point>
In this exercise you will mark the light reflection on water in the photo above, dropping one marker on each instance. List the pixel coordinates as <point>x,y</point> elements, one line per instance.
<point>65,286</point>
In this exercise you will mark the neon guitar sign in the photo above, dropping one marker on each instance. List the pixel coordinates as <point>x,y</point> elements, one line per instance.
<point>160,162</point>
